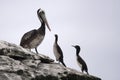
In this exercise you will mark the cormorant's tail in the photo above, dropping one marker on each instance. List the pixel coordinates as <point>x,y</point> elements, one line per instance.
<point>62,62</point>
<point>87,72</point>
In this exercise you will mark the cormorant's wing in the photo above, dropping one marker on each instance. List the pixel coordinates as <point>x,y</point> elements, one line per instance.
<point>81,62</point>
<point>61,55</point>
<point>60,51</point>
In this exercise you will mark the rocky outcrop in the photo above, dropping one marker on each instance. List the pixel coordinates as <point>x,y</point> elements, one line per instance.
<point>17,63</point>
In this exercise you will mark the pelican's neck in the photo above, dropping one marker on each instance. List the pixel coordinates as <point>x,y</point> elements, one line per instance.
<point>42,28</point>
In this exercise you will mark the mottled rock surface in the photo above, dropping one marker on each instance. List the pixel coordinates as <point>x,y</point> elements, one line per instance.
<point>17,63</point>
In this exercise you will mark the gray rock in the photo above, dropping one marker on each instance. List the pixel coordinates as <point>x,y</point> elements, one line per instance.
<point>17,63</point>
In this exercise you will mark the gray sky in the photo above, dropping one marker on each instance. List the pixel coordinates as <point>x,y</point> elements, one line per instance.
<point>92,24</point>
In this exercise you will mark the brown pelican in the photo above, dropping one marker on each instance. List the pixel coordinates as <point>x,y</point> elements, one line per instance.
<point>57,51</point>
<point>80,61</point>
<point>34,37</point>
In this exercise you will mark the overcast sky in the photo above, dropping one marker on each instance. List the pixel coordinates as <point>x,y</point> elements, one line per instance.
<point>92,24</point>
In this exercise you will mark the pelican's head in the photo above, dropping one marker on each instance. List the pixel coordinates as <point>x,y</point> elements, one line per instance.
<point>42,17</point>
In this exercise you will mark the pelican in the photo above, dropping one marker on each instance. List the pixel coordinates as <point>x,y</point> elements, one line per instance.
<point>33,38</point>
<point>80,61</point>
<point>57,51</point>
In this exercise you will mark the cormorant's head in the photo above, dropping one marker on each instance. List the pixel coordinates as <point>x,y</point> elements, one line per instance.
<point>56,35</point>
<point>77,47</point>
<point>42,17</point>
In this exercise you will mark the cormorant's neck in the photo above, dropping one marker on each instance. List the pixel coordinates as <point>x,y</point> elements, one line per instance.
<point>77,51</point>
<point>56,39</point>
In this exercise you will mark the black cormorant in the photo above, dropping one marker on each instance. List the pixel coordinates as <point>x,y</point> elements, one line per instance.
<point>57,51</point>
<point>80,61</point>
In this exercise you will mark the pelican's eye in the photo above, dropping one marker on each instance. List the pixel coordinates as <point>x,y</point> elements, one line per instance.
<point>43,12</point>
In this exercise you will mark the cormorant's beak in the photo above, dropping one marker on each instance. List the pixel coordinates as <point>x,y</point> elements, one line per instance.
<point>45,20</point>
<point>73,46</point>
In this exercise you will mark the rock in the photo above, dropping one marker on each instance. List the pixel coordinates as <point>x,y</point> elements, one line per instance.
<point>17,63</point>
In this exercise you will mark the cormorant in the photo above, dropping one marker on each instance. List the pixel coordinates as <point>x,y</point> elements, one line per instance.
<point>80,61</point>
<point>57,51</point>
<point>34,37</point>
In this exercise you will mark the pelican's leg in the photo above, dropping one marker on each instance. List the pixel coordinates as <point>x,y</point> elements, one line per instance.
<point>82,70</point>
<point>36,50</point>
<point>58,62</point>
<point>29,50</point>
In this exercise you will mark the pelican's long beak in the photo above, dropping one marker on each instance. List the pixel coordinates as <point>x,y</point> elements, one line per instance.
<point>45,20</point>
